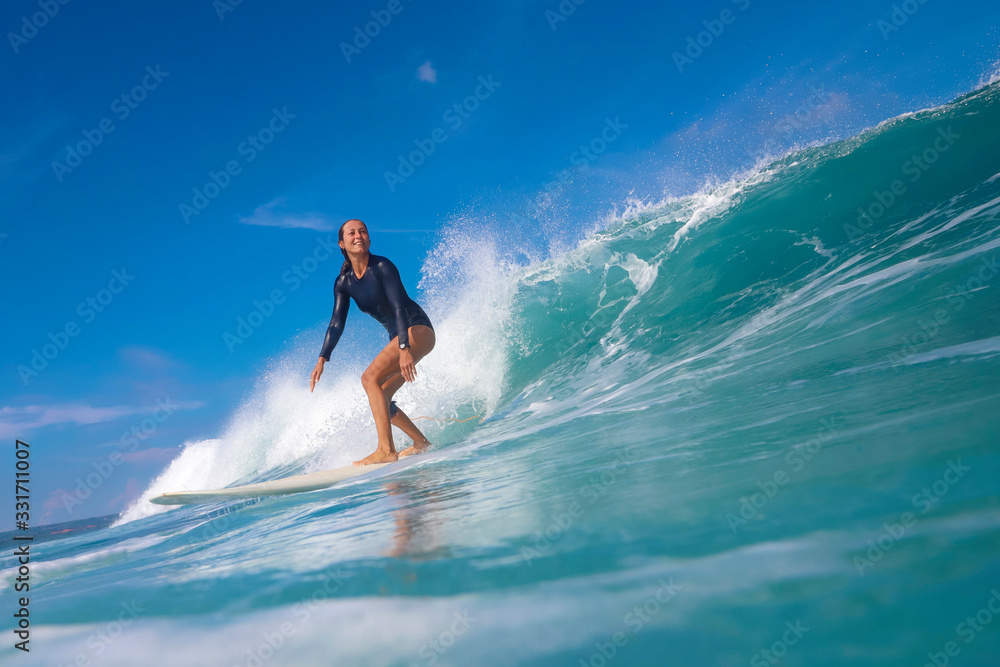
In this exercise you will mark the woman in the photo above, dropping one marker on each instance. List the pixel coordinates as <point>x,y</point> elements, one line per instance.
<point>373,282</point>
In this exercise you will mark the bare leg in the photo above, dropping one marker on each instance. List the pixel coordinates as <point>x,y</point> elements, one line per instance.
<point>420,442</point>
<point>401,421</point>
<point>378,373</point>
<point>370,380</point>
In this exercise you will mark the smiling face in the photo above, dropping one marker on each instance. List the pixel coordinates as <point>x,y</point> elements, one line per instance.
<point>354,238</point>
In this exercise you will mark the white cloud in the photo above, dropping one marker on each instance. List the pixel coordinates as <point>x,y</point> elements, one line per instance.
<point>426,72</point>
<point>150,455</point>
<point>144,357</point>
<point>271,215</point>
<point>17,422</point>
<point>122,500</point>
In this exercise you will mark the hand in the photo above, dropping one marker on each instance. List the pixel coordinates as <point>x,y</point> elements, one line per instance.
<point>317,372</point>
<point>406,366</point>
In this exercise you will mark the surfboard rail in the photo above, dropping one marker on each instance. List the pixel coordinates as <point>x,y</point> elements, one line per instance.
<point>278,487</point>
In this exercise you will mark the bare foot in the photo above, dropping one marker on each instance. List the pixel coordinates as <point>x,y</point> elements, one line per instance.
<point>415,449</point>
<point>378,456</point>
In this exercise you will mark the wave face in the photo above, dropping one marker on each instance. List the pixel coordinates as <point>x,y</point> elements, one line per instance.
<point>756,421</point>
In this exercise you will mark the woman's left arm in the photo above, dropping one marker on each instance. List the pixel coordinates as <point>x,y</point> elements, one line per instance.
<point>396,294</point>
<point>394,291</point>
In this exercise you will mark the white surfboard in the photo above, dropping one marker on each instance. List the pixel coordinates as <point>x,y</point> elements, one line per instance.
<point>278,487</point>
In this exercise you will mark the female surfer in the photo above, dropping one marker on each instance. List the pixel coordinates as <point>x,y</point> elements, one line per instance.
<point>374,284</point>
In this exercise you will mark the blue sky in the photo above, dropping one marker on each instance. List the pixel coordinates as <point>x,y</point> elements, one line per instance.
<point>300,137</point>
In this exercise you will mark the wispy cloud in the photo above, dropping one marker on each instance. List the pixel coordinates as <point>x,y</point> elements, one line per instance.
<point>132,491</point>
<point>54,500</point>
<point>426,72</point>
<point>404,231</point>
<point>145,358</point>
<point>272,215</point>
<point>151,455</point>
<point>19,421</point>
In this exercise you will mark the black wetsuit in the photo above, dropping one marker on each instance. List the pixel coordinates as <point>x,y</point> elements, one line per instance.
<point>380,293</point>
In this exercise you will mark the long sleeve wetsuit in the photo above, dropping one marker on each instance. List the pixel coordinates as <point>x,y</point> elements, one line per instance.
<point>380,293</point>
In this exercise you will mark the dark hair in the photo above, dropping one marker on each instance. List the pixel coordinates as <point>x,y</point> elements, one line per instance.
<point>343,251</point>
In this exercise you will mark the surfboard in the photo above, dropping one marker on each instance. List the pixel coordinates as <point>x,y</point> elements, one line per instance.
<point>279,487</point>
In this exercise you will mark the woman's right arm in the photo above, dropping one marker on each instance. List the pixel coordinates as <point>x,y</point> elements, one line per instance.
<point>341,304</point>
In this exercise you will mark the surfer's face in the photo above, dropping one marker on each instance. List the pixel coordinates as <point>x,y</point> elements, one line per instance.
<point>354,237</point>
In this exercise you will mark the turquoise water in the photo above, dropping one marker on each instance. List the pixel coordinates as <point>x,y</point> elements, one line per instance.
<point>756,425</point>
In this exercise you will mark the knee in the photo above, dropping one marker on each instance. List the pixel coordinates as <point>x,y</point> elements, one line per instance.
<point>368,379</point>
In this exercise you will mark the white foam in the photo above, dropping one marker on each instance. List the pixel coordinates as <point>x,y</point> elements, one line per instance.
<point>50,570</point>
<point>974,348</point>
